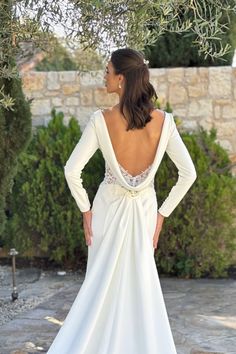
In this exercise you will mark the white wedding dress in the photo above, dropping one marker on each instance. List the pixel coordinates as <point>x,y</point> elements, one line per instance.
<point>120,307</point>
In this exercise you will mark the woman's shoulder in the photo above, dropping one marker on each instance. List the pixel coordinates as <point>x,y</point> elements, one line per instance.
<point>158,117</point>
<point>103,111</point>
<point>162,115</point>
<point>106,113</point>
<point>110,111</point>
<point>96,114</point>
<point>157,112</point>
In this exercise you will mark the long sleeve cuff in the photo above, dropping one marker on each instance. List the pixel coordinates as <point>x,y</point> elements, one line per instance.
<point>178,153</point>
<point>83,151</point>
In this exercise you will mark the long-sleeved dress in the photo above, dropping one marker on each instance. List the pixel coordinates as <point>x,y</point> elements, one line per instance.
<point>120,307</point>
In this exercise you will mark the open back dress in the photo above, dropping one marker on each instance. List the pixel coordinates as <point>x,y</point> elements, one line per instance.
<point>120,307</point>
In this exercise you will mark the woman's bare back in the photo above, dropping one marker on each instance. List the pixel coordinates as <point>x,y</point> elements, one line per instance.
<point>134,149</point>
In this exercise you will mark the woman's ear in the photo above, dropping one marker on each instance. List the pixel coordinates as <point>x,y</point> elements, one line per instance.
<point>121,79</point>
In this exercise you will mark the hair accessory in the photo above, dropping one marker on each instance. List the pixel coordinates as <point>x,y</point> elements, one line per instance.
<point>145,61</point>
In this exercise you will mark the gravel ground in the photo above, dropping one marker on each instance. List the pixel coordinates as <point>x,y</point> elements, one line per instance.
<point>34,286</point>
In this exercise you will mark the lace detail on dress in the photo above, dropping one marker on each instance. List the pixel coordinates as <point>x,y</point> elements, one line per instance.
<point>131,180</point>
<point>109,177</point>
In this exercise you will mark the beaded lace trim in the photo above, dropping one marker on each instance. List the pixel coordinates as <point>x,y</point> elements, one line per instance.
<point>131,180</point>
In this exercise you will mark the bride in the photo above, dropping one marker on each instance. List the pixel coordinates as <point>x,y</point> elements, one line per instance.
<point>120,307</point>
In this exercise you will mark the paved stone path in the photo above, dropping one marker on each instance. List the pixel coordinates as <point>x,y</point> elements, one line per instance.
<point>202,315</point>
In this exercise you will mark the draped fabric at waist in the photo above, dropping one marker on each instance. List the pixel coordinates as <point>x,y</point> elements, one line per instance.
<point>119,190</point>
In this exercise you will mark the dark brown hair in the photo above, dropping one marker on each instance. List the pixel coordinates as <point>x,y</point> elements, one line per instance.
<point>138,96</point>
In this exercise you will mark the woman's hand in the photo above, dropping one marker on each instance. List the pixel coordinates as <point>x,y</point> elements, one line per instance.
<point>160,219</point>
<point>87,225</point>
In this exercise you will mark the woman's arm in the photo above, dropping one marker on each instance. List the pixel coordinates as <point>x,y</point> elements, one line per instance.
<point>179,154</point>
<point>83,151</point>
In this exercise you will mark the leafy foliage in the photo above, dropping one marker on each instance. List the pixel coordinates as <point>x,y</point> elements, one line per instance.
<point>58,59</point>
<point>61,58</point>
<point>104,25</point>
<point>15,134</point>
<point>45,219</point>
<point>174,50</point>
<point>178,49</point>
<point>198,239</point>
<point>135,23</point>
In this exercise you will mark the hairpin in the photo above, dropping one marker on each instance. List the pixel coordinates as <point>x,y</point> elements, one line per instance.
<point>145,61</point>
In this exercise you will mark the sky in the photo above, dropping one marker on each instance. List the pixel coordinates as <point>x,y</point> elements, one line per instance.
<point>55,24</point>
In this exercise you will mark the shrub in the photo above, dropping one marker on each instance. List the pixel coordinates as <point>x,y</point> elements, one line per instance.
<point>45,218</point>
<point>198,239</point>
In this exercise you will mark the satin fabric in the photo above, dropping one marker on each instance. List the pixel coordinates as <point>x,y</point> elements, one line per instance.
<point>120,307</point>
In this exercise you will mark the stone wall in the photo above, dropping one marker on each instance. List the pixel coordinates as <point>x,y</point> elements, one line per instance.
<point>198,96</point>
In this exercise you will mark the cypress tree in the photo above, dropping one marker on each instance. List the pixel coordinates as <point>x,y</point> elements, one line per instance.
<point>15,120</point>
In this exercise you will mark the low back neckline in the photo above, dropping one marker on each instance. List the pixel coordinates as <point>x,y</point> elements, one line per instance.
<point>138,175</point>
<point>151,166</point>
<point>133,181</point>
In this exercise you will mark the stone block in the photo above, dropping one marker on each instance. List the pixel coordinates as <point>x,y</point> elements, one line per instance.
<point>217,112</point>
<point>226,144</point>
<point>197,87</point>
<point>234,81</point>
<point>53,93</point>
<point>200,108</point>
<point>158,75</point>
<point>203,72</point>
<point>181,111</point>
<point>177,94</point>
<point>67,76</point>
<point>189,72</point>
<point>33,94</point>
<point>71,101</point>
<point>158,72</point>
<point>225,129</point>
<point>196,82</point>
<point>175,75</point>
<point>229,111</point>
<point>101,98</point>
<point>71,111</point>
<point>162,100</point>
<point>93,78</point>
<point>34,81</point>
<point>220,84</point>
<point>86,97</point>
<point>197,90</point>
<point>193,109</point>
<point>162,89</point>
<point>41,107</point>
<point>69,89</point>
<point>52,81</point>
<point>190,125</point>
<point>205,124</point>
<point>83,114</point>
<point>56,101</point>
<point>222,102</point>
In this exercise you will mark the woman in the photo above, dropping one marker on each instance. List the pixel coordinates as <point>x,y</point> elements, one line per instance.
<point>120,307</point>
